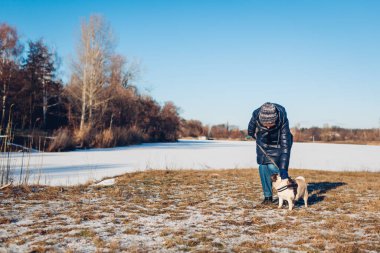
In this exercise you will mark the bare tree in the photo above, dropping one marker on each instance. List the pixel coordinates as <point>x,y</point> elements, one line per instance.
<point>94,51</point>
<point>123,72</point>
<point>118,76</point>
<point>10,49</point>
<point>120,89</point>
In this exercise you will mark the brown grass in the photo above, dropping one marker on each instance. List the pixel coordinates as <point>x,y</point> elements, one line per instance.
<point>129,136</point>
<point>63,140</point>
<point>196,211</point>
<point>84,137</point>
<point>104,139</point>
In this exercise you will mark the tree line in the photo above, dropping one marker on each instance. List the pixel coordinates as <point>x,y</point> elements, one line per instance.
<point>98,107</point>
<point>336,134</point>
<point>332,134</point>
<point>196,129</point>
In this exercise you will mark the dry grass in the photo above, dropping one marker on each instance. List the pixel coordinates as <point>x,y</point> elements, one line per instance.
<point>63,141</point>
<point>197,211</point>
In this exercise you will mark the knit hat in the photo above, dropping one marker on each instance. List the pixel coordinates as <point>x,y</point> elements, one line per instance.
<point>268,113</point>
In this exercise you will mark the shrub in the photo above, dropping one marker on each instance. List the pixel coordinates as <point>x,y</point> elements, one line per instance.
<point>63,141</point>
<point>104,139</point>
<point>85,137</point>
<point>128,136</point>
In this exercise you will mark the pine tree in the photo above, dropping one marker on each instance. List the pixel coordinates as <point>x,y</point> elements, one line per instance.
<point>40,69</point>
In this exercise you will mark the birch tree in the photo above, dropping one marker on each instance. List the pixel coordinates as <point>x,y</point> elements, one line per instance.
<point>91,68</point>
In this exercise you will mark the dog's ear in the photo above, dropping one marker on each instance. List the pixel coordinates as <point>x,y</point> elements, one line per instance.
<point>273,177</point>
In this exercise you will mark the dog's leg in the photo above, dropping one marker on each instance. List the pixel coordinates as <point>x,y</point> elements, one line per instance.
<point>297,197</point>
<point>280,202</point>
<point>291,203</point>
<point>305,197</point>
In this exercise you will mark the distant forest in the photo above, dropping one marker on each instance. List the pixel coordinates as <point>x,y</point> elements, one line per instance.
<point>100,105</point>
<point>332,134</point>
<point>337,134</point>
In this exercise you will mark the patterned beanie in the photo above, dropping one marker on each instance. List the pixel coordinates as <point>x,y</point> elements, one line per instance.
<point>268,113</point>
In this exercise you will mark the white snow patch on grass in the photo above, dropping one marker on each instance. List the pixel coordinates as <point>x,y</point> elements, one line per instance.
<point>106,182</point>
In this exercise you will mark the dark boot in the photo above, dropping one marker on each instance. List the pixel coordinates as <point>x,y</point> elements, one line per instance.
<point>267,201</point>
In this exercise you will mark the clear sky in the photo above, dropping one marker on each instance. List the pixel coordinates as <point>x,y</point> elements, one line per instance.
<point>219,60</point>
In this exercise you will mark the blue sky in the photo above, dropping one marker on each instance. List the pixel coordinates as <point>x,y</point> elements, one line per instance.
<point>219,60</point>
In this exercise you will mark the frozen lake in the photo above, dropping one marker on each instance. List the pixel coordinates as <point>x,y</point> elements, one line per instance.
<point>77,167</point>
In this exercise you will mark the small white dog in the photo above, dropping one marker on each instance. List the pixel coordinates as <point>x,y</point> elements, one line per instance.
<point>290,190</point>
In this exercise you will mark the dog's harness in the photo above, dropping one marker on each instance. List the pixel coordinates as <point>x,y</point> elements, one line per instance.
<point>292,185</point>
<point>282,188</point>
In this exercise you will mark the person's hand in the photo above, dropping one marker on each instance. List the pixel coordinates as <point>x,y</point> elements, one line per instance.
<point>284,174</point>
<point>250,137</point>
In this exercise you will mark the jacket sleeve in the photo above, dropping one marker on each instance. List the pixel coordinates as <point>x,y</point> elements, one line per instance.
<point>286,142</point>
<point>252,125</point>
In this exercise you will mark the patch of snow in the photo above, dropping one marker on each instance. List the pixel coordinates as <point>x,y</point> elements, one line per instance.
<point>106,182</point>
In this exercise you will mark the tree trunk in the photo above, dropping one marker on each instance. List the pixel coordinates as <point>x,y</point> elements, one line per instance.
<point>82,117</point>
<point>44,102</point>
<point>90,100</point>
<point>3,110</point>
<point>4,96</point>
<point>84,91</point>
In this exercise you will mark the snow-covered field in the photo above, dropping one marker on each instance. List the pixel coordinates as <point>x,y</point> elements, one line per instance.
<point>193,211</point>
<point>70,168</point>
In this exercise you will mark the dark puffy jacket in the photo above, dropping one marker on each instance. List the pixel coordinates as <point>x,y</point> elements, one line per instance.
<point>276,141</point>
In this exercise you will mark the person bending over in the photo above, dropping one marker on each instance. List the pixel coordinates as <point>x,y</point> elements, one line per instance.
<point>269,125</point>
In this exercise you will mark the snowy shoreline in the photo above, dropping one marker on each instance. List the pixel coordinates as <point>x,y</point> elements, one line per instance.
<point>81,166</point>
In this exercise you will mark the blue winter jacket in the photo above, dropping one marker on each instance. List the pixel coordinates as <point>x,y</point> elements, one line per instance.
<point>276,141</point>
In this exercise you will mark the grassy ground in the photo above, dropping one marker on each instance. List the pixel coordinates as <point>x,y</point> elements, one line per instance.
<point>197,211</point>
